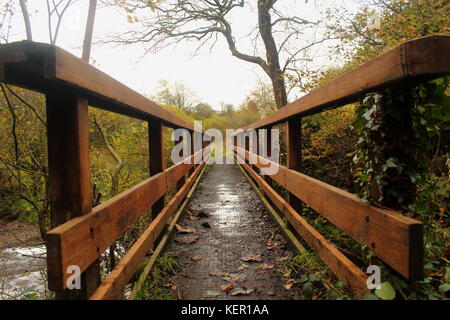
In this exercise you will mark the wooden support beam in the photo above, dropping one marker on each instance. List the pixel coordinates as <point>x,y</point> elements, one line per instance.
<point>70,185</point>
<point>156,157</point>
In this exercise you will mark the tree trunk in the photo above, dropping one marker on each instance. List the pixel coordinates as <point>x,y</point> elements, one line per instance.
<point>26,19</point>
<point>89,31</point>
<point>273,61</point>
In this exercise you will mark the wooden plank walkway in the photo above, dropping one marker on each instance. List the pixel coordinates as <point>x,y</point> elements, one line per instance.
<point>240,227</point>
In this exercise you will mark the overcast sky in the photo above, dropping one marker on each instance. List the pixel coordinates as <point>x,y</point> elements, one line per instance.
<point>215,76</point>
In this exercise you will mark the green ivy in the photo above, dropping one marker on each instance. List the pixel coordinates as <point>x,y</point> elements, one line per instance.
<point>424,160</point>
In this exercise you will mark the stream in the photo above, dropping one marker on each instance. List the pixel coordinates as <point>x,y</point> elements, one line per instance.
<point>23,273</point>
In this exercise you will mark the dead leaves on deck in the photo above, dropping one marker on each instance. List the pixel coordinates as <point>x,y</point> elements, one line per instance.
<point>197,214</point>
<point>252,258</point>
<point>226,287</point>
<point>240,291</point>
<point>265,266</point>
<point>182,230</point>
<point>187,239</point>
<point>196,258</point>
<point>234,277</point>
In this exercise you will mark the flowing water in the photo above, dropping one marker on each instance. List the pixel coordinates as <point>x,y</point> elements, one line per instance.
<point>23,273</point>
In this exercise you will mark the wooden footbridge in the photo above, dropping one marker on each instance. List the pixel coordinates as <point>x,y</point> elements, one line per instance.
<point>81,233</point>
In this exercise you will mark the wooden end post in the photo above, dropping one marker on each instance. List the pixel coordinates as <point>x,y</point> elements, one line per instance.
<point>70,185</point>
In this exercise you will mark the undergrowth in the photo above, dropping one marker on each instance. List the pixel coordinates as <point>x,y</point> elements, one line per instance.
<point>153,289</point>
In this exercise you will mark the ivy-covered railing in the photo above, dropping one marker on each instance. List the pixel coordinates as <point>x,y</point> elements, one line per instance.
<point>389,126</point>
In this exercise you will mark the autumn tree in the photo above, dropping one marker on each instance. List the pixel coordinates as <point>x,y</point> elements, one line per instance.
<point>282,36</point>
<point>398,21</point>
<point>175,94</point>
<point>202,110</point>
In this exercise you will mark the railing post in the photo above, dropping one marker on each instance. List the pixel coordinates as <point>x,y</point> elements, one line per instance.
<point>182,181</point>
<point>247,146</point>
<point>268,151</point>
<point>70,185</point>
<point>156,157</point>
<point>191,171</point>
<point>256,149</point>
<point>294,154</point>
<point>395,140</point>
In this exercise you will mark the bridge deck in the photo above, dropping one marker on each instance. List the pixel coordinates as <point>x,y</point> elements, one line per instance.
<point>240,227</point>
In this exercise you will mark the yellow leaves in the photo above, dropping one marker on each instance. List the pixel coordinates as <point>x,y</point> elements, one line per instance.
<point>288,285</point>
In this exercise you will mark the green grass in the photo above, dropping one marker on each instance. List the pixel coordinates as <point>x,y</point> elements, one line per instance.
<point>153,288</point>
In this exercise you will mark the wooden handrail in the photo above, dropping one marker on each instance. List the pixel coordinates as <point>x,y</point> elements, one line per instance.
<point>346,270</point>
<point>43,67</point>
<point>115,282</point>
<point>81,233</point>
<point>393,237</point>
<point>80,241</point>
<point>421,58</point>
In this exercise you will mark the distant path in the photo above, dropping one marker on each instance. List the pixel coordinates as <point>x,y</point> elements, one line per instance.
<point>240,228</point>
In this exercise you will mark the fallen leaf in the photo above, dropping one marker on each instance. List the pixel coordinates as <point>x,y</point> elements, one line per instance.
<point>233,277</point>
<point>226,287</point>
<point>182,230</point>
<point>287,274</point>
<point>196,258</point>
<point>216,274</point>
<point>252,258</point>
<point>187,240</point>
<point>270,243</point>
<point>265,266</point>
<point>173,288</point>
<point>271,293</point>
<point>193,218</point>
<point>288,285</point>
<point>168,285</point>
<point>242,292</point>
<point>281,259</point>
<point>242,267</point>
<point>211,293</point>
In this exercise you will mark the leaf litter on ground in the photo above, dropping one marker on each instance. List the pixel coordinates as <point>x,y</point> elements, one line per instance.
<point>252,258</point>
<point>180,229</point>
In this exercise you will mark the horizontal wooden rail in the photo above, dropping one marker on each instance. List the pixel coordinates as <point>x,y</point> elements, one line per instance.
<point>394,238</point>
<point>43,67</point>
<point>112,287</point>
<point>415,59</point>
<point>345,270</point>
<point>82,240</point>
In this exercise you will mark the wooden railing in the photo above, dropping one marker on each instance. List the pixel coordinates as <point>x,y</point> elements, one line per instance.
<point>394,238</point>
<point>80,232</point>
